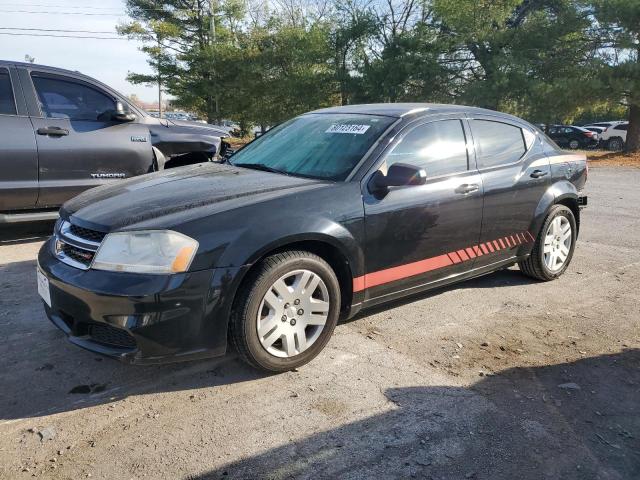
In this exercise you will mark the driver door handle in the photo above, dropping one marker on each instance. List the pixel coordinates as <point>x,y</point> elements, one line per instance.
<point>53,131</point>
<point>538,174</point>
<point>466,188</point>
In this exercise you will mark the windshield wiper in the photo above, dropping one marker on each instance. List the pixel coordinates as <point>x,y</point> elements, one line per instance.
<point>262,167</point>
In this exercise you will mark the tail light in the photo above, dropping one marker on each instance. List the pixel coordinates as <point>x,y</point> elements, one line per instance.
<point>588,134</point>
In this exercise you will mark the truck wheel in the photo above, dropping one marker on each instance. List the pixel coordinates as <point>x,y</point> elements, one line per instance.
<point>553,249</point>
<point>286,311</point>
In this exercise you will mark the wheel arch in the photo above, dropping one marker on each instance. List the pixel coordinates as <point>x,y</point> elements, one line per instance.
<point>559,193</point>
<point>324,246</point>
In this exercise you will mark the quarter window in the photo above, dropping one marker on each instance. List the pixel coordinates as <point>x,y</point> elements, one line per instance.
<point>7,103</point>
<point>497,143</point>
<point>75,101</point>
<point>438,147</point>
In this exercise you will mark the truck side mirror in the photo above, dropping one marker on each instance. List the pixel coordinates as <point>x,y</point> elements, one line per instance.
<point>122,115</point>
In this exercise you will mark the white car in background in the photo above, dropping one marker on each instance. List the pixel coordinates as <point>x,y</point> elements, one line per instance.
<point>615,136</point>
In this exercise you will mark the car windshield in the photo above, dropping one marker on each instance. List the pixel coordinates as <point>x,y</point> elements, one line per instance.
<point>326,146</point>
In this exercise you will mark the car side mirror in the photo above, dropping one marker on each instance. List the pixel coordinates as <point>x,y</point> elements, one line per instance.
<point>122,115</point>
<point>398,175</point>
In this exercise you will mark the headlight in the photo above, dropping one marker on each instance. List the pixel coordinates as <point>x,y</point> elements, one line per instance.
<point>152,251</point>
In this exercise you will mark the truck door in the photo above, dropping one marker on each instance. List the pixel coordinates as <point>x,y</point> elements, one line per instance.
<point>18,153</point>
<point>80,145</point>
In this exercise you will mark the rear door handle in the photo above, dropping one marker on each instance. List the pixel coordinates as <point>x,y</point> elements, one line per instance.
<point>538,174</point>
<point>53,131</point>
<point>466,188</point>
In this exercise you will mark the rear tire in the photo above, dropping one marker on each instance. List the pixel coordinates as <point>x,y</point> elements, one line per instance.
<point>553,249</point>
<point>574,144</point>
<point>286,311</point>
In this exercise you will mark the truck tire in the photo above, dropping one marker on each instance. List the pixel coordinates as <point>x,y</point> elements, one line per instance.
<point>286,311</point>
<point>553,249</point>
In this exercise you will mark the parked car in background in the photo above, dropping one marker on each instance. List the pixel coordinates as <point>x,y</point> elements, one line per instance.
<point>597,130</point>
<point>328,213</point>
<point>615,137</point>
<point>63,132</point>
<point>604,125</point>
<point>569,136</point>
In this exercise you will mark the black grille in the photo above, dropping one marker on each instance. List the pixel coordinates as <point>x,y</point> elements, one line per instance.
<point>111,336</point>
<point>86,234</point>
<point>80,255</point>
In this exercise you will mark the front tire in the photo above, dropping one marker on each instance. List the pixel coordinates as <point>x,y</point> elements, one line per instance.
<point>286,311</point>
<point>553,249</point>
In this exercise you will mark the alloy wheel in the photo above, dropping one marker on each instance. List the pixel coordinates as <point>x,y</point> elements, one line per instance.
<point>293,313</point>
<point>557,243</point>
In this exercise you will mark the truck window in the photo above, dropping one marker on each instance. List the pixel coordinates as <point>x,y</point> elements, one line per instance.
<point>67,99</point>
<point>7,103</point>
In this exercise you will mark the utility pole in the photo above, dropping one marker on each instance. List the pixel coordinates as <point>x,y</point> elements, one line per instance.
<point>159,84</point>
<point>212,7</point>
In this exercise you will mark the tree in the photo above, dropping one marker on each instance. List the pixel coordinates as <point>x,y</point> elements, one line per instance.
<point>619,22</point>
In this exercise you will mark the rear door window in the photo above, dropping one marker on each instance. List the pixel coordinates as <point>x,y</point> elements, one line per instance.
<point>75,101</point>
<point>438,147</point>
<point>7,102</point>
<point>497,143</point>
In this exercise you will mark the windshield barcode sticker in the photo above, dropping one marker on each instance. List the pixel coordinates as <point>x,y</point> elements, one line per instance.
<point>347,128</point>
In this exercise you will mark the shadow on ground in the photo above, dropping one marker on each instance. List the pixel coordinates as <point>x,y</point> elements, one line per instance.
<point>16,234</point>
<point>577,420</point>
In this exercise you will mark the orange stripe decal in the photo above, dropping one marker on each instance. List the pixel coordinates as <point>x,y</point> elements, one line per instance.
<point>441,261</point>
<point>409,270</point>
<point>359,283</point>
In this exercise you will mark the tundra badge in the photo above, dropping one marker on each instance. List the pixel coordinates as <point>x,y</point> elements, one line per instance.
<point>108,175</point>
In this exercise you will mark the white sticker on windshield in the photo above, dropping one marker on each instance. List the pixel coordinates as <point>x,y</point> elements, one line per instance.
<point>348,128</point>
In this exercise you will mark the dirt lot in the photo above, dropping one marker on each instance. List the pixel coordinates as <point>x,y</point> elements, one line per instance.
<point>497,378</point>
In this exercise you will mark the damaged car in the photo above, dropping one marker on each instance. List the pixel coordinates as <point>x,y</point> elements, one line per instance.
<point>64,132</point>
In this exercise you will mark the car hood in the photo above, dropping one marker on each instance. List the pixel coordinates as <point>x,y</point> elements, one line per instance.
<point>184,193</point>
<point>203,127</point>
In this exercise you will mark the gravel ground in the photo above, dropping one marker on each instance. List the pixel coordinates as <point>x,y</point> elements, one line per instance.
<point>496,378</point>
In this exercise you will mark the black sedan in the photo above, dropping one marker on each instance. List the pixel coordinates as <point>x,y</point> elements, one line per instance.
<point>569,136</point>
<point>329,213</point>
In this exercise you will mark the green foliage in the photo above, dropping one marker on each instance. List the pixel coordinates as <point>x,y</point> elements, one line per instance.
<point>545,60</point>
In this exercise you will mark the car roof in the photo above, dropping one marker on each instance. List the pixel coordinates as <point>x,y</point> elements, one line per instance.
<point>405,109</point>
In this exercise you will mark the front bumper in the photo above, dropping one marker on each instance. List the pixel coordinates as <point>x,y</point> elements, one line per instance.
<point>139,318</point>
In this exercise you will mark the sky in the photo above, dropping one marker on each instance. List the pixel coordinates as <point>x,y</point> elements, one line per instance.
<point>106,60</point>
